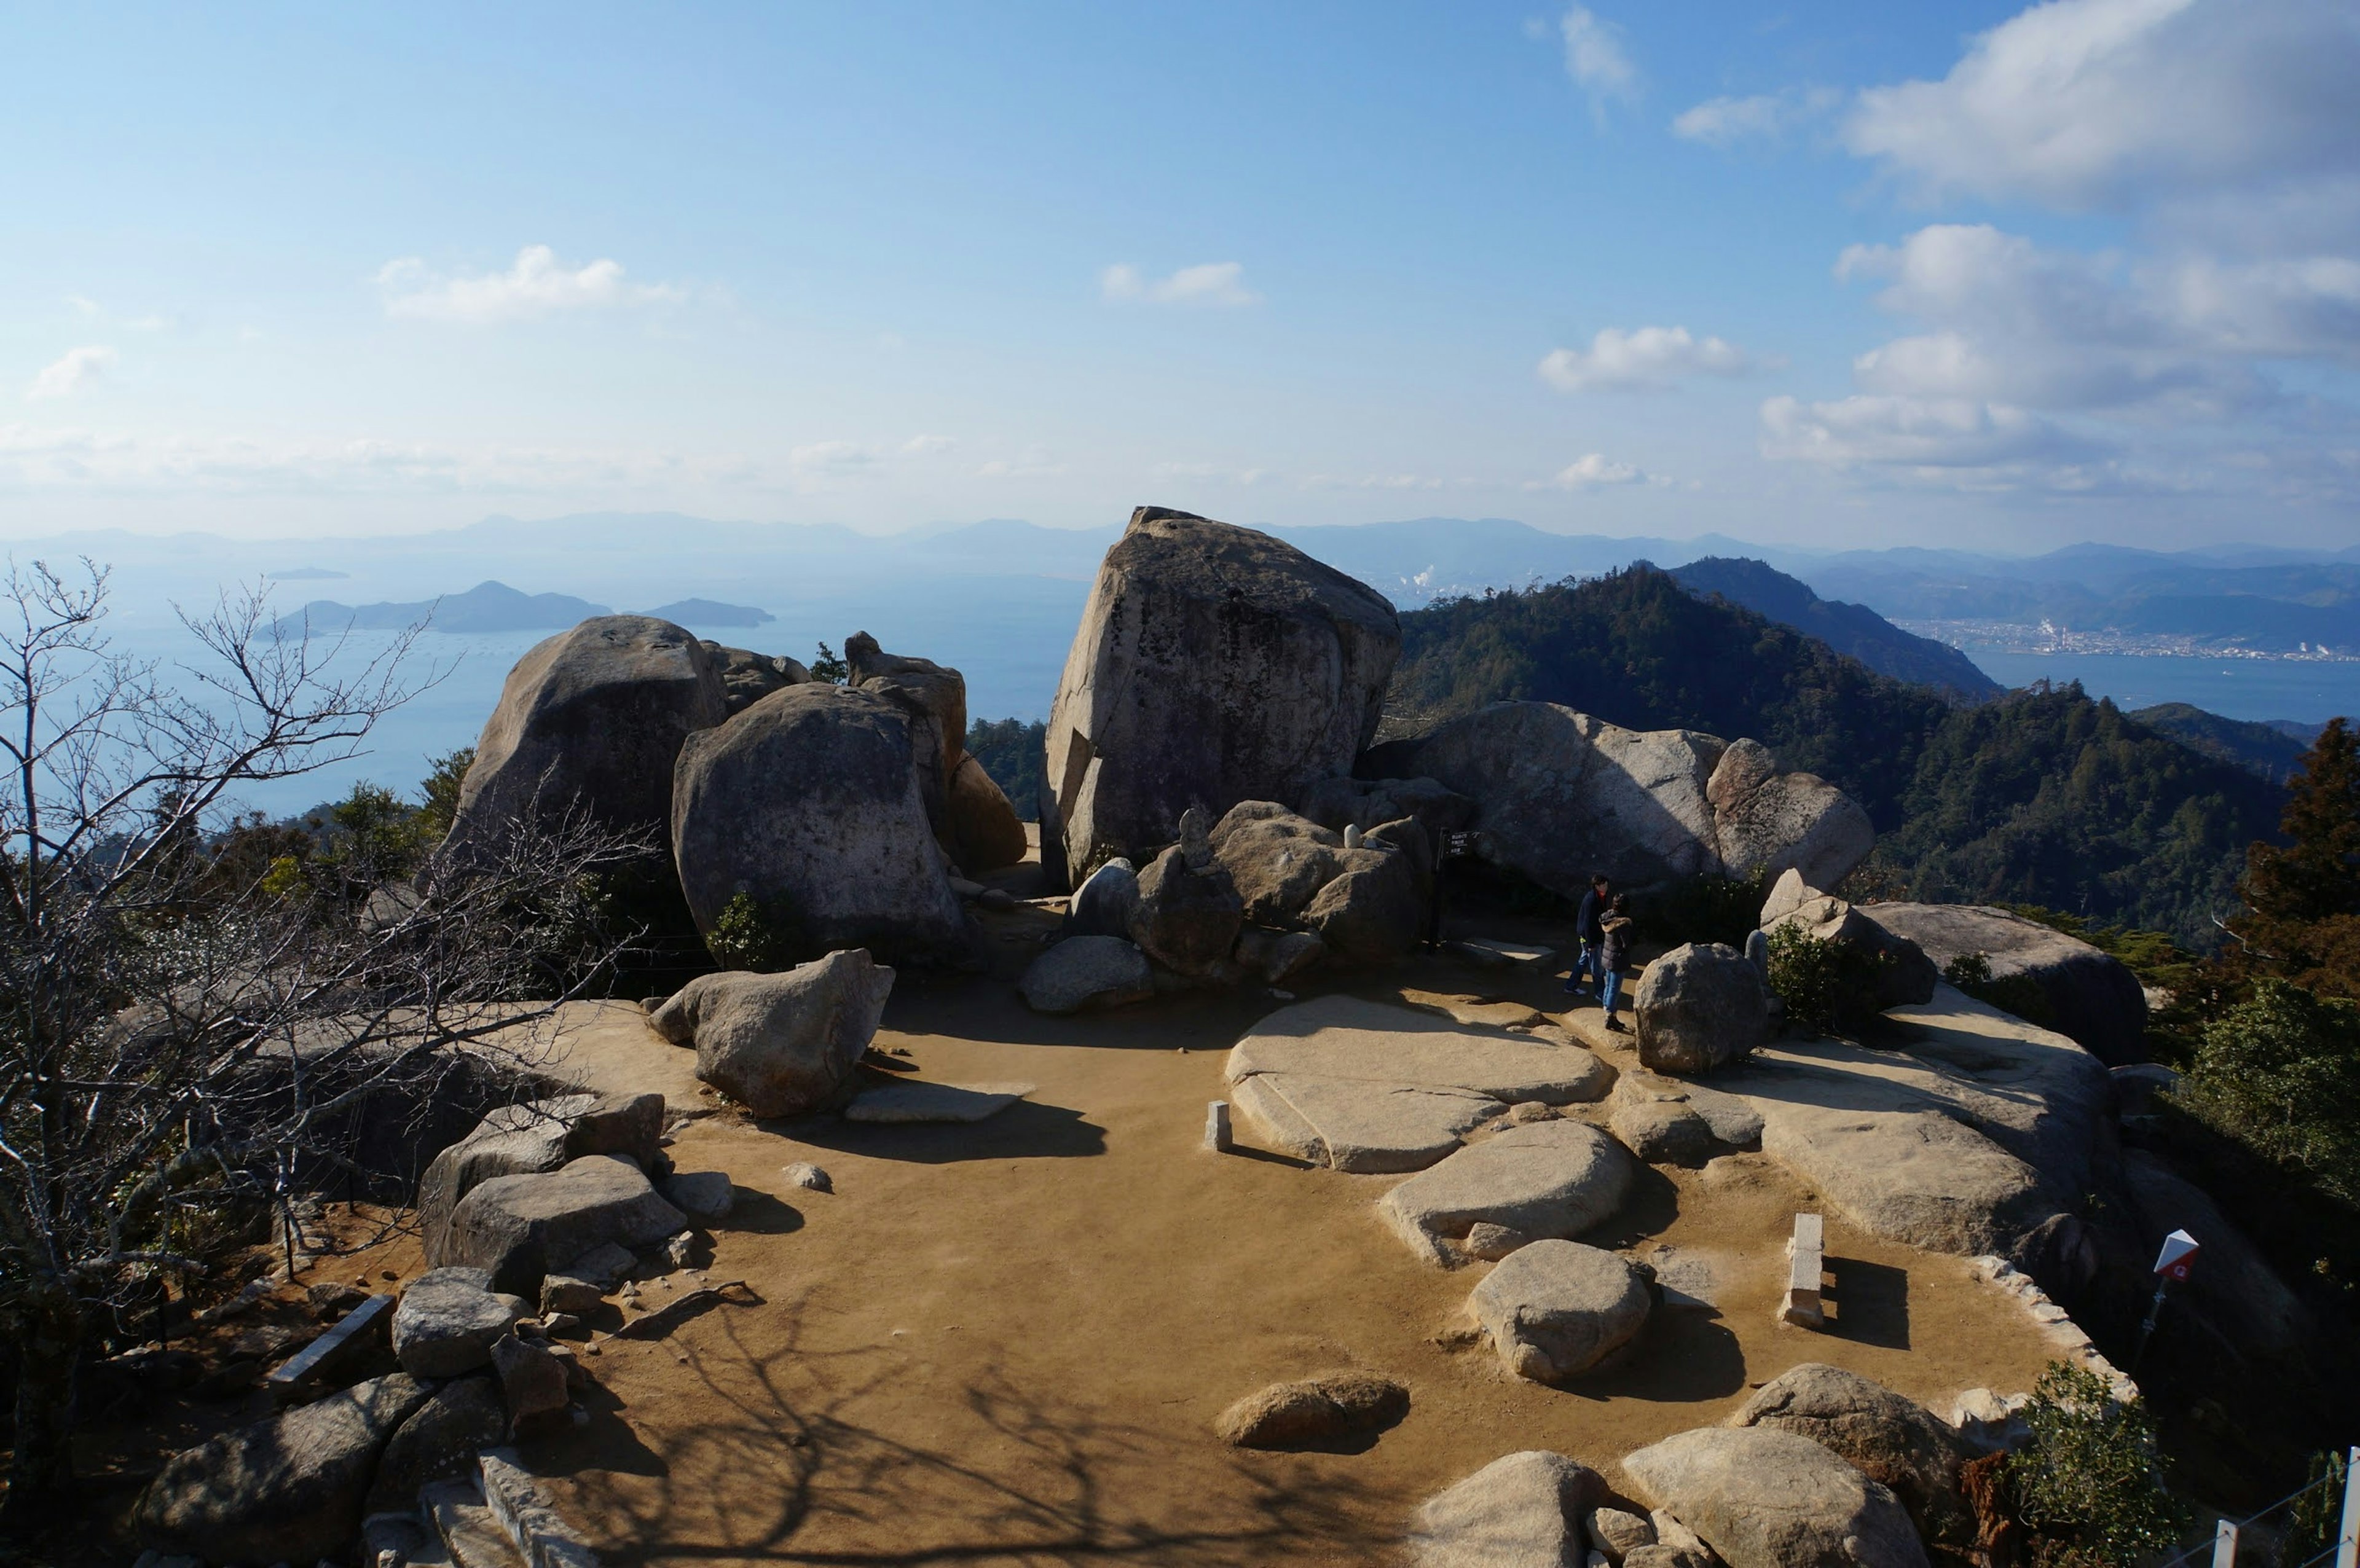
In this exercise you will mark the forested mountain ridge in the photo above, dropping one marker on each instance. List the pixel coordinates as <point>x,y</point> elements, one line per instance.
<point>2041,797</point>
<point>1852,630</point>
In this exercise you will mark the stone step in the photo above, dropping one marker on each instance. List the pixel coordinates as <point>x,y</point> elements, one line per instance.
<point>467,1528</point>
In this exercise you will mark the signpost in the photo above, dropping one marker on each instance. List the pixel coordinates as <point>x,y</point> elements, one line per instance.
<point>1454,844</point>
<point>2171,1266</point>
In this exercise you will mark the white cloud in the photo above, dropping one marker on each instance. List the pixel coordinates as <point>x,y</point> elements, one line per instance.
<point>926,446</point>
<point>1647,359</point>
<point>1218,472</point>
<point>71,372</point>
<point>1209,283</point>
<point>832,459</point>
<point>1941,435</point>
<point>1590,470</point>
<point>2088,104</point>
<point>1595,58</point>
<point>1723,122</point>
<point>537,284</point>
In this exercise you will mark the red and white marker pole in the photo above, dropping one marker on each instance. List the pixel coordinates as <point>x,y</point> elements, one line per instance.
<point>2171,1266</point>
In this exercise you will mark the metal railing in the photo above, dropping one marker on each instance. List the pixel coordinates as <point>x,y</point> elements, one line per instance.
<point>2265,1535</point>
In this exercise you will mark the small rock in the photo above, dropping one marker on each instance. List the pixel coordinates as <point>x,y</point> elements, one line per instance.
<point>562,1293</point>
<point>560,1323</point>
<point>1322,1409</point>
<point>1088,971</point>
<point>1489,1243</point>
<point>998,899</point>
<point>1554,1309</point>
<point>332,1299</point>
<point>532,1382</point>
<point>1615,1534</point>
<point>701,1194</point>
<point>604,1266</point>
<point>1521,1508</point>
<point>803,1173</point>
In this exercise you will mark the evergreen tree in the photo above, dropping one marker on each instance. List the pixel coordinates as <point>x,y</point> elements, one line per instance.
<point>2303,898</point>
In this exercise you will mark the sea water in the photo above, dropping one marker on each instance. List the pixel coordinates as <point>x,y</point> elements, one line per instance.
<point>2309,690</point>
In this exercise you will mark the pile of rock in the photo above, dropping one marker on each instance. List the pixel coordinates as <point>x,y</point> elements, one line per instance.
<point>1822,1467</point>
<point>1560,795</point>
<point>530,1222</point>
<point>841,812</point>
<point>1906,975</point>
<point>1262,895</point>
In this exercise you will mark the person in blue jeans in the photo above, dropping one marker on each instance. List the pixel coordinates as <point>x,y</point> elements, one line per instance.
<point>1587,932</point>
<point>1614,956</point>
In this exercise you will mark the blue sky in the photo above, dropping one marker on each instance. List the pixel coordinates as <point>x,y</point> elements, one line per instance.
<point>1836,273</point>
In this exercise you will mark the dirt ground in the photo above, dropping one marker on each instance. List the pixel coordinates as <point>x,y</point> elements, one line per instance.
<point>1006,1342</point>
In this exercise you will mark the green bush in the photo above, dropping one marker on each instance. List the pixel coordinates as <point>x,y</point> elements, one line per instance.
<point>2280,1074</point>
<point>1829,986</point>
<point>830,667</point>
<point>748,934</point>
<point>2089,1483</point>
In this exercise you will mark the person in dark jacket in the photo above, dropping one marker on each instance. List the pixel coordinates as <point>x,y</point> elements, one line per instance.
<point>1586,933</point>
<point>1614,956</point>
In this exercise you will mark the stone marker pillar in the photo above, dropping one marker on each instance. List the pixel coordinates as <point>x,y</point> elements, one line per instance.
<point>1217,1126</point>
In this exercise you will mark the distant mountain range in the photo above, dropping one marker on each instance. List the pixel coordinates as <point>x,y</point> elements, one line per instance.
<point>2272,749</point>
<point>496,607</point>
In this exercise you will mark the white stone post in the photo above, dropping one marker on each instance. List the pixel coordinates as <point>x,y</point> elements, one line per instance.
<point>2225,1544</point>
<point>2347,1539</point>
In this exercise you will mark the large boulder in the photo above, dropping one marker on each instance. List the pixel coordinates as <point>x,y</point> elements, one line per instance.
<point>1698,1007</point>
<point>439,1440</point>
<point>1545,1179</point>
<point>1766,823</point>
<point>1554,1309</point>
<point>1102,905</point>
<point>448,1321</point>
<point>970,814</point>
<point>592,719</point>
<point>2092,998</point>
<point>1187,917</point>
<point>808,803</point>
<point>1361,1125</point>
<point>1667,1120</point>
<point>1214,664</point>
<point>1763,1498</point>
<point>1561,795</point>
<point>521,1227</point>
<point>535,1135</point>
<point>1373,911</point>
<point>1888,1437</point>
<point>1084,972</point>
<point>1277,861</point>
<point>1350,1037</point>
<point>288,1489</point>
<point>1522,1510</point>
<point>780,1044</point>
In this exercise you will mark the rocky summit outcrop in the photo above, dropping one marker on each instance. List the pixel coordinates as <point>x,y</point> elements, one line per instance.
<point>1888,1437</point>
<point>1698,1007</point>
<point>1965,1134</point>
<point>1522,1510</point>
<point>1561,795</point>
<point>1363,1086</point>
<point>535,1135</point>
<point>979,828</point>
<point>2093,997</point>
<point>593,720</point>
<point>1554,1309</point>
<point>1214,664</point>
<point>1762,1498</point>
<point>288,1489</point>
<point>1187,917</point>
<point>1545,1179</point>
<point>807,803</point>
<point>1366,902</point>
<point>780,1044</point>
<point>518,1228</point>
<point>1904,972</point>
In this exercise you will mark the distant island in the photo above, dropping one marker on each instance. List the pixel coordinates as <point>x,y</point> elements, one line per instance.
<point>485,607</point>
<point>710,612</point>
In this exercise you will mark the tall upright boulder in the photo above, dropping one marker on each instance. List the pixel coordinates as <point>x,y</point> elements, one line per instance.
<point>592,719</point>
<point>1214,664</point>
<point>807,803</point>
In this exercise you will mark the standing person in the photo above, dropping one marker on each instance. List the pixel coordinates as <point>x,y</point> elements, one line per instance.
<point>1587,932</point>
<point>1613,954</point>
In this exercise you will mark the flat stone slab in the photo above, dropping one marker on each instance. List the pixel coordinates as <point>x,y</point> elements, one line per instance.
<point>935,1102</point>
<point>1545,1179</point>
<point>1344,1037</point>
<point>1360,1125</point>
